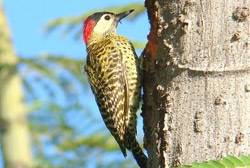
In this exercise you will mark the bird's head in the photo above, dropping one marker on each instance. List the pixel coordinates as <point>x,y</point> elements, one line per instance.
<point>101,24</point>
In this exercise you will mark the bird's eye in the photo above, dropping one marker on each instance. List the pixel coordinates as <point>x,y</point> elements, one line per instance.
<point>107,17</point>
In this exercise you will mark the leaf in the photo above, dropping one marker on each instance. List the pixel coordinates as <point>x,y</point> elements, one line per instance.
<point>185,166</point>
<point>227,162</point>
<point>245,159</point>
<point>206,165</point>
<point>236,161</point>
<point>196,165</point>
<point>216,164</point>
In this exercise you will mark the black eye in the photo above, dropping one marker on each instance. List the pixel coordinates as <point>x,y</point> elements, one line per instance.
<point>107,17</point>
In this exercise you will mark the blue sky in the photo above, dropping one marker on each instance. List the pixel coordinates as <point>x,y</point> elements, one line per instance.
<point>26,19</point>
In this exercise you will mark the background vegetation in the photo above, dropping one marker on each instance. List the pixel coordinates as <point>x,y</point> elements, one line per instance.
<point>60,118</point>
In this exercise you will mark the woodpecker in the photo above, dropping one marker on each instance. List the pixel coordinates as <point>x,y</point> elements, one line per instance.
<point>114,75</point>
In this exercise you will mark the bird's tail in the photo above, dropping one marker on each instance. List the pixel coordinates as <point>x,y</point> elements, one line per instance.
<point>137,152</point>
<point>139,156</point>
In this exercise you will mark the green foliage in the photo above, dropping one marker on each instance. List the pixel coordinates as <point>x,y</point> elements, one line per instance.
<point>53,68</point>
<point>139,45</point>
<point>227,162</point>
<point>7,70</point>
<point>75,136</point>
<point>40,64</point>
<point>60,126</point>
<point>97,140</point>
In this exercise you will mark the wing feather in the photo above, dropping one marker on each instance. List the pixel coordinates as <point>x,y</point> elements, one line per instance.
<point>110,86</point>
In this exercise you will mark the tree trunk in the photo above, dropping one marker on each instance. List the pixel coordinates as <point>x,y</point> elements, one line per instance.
<point>197,81</point>
<point>13,124</point>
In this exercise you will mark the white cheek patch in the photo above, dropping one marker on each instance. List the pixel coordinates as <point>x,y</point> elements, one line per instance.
<point>103,26</point>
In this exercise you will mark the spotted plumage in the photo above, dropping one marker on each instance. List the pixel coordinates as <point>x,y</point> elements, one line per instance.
<point>114,75</point>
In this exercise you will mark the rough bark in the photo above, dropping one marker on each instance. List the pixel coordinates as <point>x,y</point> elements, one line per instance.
<point>196,81</point>
<point>13,124</point>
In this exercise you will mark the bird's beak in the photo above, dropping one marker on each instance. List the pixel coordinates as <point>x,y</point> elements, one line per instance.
<point>120,16</point>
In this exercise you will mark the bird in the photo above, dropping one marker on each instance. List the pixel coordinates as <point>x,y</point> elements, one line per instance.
<point>114,74</point>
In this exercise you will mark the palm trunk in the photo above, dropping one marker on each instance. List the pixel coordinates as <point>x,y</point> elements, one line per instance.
<point>13,123</point>
<point>197,81</point>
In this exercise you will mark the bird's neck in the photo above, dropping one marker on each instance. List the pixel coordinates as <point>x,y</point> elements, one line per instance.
<point>96,38</point>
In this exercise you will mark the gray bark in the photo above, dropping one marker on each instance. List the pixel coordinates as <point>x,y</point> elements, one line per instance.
<point>196,81</point>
